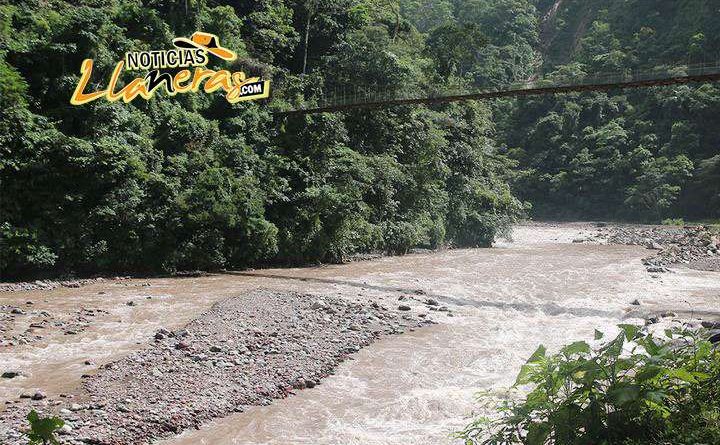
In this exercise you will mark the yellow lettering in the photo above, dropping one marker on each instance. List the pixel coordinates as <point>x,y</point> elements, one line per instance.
<point>181,76</point>
<point>79,97</point>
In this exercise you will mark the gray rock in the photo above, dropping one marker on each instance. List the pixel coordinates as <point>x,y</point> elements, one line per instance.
<point>403,307</point>
<point>319,305</point>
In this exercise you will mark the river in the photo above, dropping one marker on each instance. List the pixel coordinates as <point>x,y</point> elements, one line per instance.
<point>418,387</point>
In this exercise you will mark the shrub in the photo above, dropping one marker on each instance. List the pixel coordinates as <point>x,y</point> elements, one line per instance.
<point>21,251</point>
<point>400,237</point>
<point>673,222</point>
<point>634,389</point>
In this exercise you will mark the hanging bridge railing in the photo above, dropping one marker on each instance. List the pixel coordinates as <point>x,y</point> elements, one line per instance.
<point>346,97</point>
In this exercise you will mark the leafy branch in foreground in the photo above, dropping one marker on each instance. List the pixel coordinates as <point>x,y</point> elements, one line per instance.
<point>634,389</point>
<point>42,429</point>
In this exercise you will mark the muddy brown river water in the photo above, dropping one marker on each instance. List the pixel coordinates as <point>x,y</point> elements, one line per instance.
<point>414,388</point>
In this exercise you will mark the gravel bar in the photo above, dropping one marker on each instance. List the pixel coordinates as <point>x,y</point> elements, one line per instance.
<point>246,350</point>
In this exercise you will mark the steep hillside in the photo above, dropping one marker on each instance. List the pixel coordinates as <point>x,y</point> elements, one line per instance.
<point>647,154</point>
<point>651,32</point>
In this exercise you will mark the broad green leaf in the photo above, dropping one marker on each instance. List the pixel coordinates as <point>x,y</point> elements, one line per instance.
<point>538,433</point>
<point>42,429</point>
<point>649,372</point>
<point>537,355</point>
<point>650,346</point>
<point>524,376</point>
<point>576,348</point>
<point>614,348</point>
<point>630,330</point>
<point>623,394</point>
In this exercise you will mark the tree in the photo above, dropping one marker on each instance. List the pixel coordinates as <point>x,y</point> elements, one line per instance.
<point>659,186</point>
<point>455,48</point>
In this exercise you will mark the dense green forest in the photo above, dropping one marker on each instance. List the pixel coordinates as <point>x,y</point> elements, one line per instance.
<point>642,155</point>
<point>193,181</point>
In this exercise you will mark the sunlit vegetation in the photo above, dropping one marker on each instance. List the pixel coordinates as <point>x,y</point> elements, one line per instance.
<point>635,389</point>
<point>194,182</point>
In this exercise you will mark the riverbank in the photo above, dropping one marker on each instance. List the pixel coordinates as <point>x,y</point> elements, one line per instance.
<point>697,246</point>
<point>420,386</point>
<point>246,350</point>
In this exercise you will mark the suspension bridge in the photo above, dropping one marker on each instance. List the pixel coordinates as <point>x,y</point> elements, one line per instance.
<point>375,96</point>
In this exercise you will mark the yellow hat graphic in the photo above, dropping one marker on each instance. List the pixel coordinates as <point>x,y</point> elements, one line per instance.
<point>206,41</point>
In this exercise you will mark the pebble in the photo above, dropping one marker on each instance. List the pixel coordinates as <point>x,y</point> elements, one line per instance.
<point>675,245</point>
<point>262,343</point>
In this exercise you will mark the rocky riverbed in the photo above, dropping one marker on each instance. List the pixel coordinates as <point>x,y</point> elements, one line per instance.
<point>245,350</point>
<point>21,325</point>
<point>48,284</point>
<point>698,247</point>
<point>152,360</point>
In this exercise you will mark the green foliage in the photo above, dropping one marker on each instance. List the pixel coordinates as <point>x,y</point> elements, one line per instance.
<point>21,251</point>
<point>673,222</point>
<point>193,182</point>
<point>624,154</point>
<point>637,388</point>
<point>659,185</point>
<point>43,429</point>
<point>455,48</point>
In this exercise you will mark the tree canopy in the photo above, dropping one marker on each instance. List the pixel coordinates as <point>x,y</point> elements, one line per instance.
<point>192,181</point>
